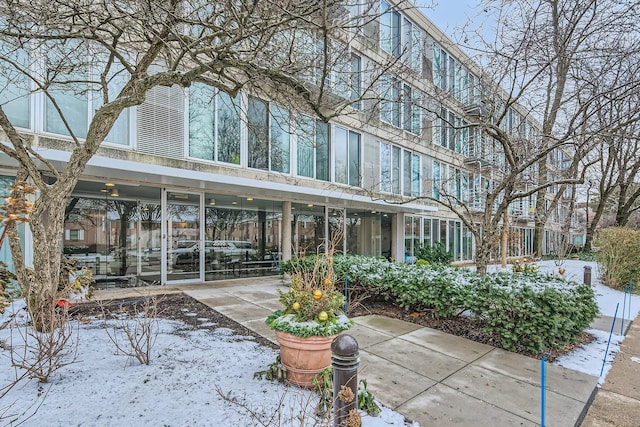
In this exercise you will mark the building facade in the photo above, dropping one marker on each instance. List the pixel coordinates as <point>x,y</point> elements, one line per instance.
<point>194,185</point>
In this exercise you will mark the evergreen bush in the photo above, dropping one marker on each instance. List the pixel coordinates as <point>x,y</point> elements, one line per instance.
<point>618,256</point>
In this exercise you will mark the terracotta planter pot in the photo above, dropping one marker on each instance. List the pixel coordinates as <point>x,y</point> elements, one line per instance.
<point>303,358</point>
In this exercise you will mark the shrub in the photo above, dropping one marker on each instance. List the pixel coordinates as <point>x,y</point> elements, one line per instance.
<point>618,256</point>
<point>533,311</point>
<point>436,254</point>
<point>522,310</point>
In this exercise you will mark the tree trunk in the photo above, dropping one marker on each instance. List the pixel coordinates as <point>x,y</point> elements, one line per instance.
<point>484,248</point>
<point>504,240</point>
<point>538,235</point>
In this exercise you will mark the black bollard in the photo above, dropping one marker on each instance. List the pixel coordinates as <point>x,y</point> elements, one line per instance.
<point>587,275</point>
<point>345,359</point>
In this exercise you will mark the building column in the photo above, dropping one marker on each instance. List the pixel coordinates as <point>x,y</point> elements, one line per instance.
<point>285,243</point>
<point>397,237</point>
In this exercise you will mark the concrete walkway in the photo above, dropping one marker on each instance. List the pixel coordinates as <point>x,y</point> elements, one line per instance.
<point>617,403</point>
<point>428,376</point>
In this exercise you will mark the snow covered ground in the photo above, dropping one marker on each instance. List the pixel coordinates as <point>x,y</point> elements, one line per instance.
<point>189,372</point>
<point>191,368</point>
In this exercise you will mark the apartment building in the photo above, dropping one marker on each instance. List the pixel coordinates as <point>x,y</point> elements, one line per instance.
<point>192,167</point>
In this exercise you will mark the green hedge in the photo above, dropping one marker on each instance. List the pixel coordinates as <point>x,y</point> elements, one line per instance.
<point>618,256</point>
<point>533,311</point>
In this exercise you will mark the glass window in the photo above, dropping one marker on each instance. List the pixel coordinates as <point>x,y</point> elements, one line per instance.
<point>117,78</point>
<point>385,167</point>
<point>389,30</point>
<point>71,99</point>
<point>416,113</point>
<point>305,151</point>
<point>444,128</point>
<point>440,67</point>
<point>426,231</point>
<point>408,108</point>
<point>390,100</point>
<point>14,96</point>
<point>396,166</point>
<point>201,121</point>
<point>228,128</point>
<point>341,154</point>
<point>437,65</point>
<point>409,235</point>
<point>257,129</point>
<point>322,150</point>
<point>406,175</point>
<point>436,180</point>
<point>452,132</point>
<point>451,70</point>
<point>435,230</point>
<point>280,139</point>
<point>354,159</point>
<point>356,80</point>
<point>415,175</point>
<point>347,156</point>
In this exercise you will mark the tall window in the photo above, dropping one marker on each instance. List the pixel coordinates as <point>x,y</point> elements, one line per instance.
<point>390,22</point>
<point>436,180</point>
<point>356,80</point>
<point>406,175</point>
<point>214,125</point>
<point>385,168</point>
<point>390,100</point>
<point>280,139</point>
<point>313,148</point>
<point>305,146</point>
<point>258,134</point>
<point>396,169</point>
<point>322,150</point>
<point>71,98</point>
<point>201,121</point>
<point>117,78</point>
<point>411,110</point>
<point>228,128</point>
<point>412,45</point>
<point>440,64</point>
<point>415,174</point>
<point>14,96</point>
<point>400,171</point>
<point>347,156</point>
<point>400,104</point>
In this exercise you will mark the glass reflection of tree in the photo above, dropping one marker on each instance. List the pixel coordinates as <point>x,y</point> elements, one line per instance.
<point>336,224</point>
<point>126,211</point>
<point>150,217</point>
<point>84,213</point>
<point>228,129</point>
<point>221,223</point>
<point>353,225</point>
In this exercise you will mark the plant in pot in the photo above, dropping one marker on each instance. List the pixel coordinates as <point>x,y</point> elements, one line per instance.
<point>310,319</point>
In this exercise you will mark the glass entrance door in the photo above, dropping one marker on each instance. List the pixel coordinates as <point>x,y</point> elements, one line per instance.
<point>183,237</point>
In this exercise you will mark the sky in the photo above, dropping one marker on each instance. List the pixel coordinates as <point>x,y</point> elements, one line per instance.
<point>448,15</point>
<point>453,15</point>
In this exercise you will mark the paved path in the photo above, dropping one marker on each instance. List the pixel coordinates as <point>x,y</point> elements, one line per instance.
<point>428,376</point>
<point>617,403</point>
